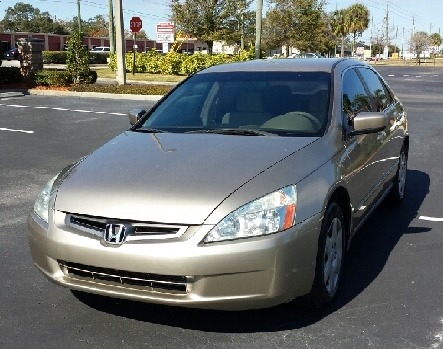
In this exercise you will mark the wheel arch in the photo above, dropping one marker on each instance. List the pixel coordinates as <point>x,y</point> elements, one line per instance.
<point>406,144</point>
<point>341,196</point>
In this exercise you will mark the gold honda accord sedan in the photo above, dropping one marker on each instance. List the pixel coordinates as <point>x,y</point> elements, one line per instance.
<point>242,188</point>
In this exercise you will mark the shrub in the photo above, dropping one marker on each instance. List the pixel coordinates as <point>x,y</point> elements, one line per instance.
<point>77,59</point>
<point>124,89</point>
<point>98,57</point>
<point>51,77</point>
<point>9,75</point>
<point>175,63</point>
<point>172,63</point>
<point>194,63</point>
<point>54,57</point>
<point>153,62</point>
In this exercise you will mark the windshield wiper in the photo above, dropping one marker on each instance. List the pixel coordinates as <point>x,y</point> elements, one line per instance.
<point>232,131</point>
<point>148,130</point>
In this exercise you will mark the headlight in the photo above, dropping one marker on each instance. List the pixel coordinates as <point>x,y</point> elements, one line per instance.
<point>269,214</point>
<point>41,206</point>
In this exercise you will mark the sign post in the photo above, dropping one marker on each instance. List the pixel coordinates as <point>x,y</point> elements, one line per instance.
<point>136,25</point>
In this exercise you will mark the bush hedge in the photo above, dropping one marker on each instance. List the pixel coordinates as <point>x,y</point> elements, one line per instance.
<point>52,77</point>
<point>54,57</point>
<point>98,57</point>
<point>139,89</point>
<point>59,57</point>
<point>9,75</point>
<point>175,63</point>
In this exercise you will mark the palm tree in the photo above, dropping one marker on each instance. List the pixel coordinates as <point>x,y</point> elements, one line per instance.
<point>340,27</point>
<point>357,19</point>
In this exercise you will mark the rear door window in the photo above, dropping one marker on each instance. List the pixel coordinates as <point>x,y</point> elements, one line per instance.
<point>381,96</point>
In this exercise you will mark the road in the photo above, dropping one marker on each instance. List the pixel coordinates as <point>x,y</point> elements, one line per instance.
<point>393,281</point>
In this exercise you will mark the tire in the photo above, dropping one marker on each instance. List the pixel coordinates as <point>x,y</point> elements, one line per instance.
<point>397,192</point>
<point>330,258</point>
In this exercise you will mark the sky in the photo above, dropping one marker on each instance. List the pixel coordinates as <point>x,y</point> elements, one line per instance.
<point>404,15</point>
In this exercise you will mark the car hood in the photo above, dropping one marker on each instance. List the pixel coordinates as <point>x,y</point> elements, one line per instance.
<point>167,177</point>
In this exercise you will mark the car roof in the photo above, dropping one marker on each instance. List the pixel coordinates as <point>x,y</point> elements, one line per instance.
<point>284,65</point>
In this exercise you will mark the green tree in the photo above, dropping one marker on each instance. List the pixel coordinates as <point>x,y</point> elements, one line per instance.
<point>357,21</point>
<point>340,28</point>
<point>95,27</point>
<point>297,23</point>
<point>207,20</point>
<point>77,59</point>
<point>140,35</point>
<point>435,39</point>
<point>309,25</point>
<point>419,42</point>
<point>241,27</point>
<point>25,17</point>
<point>278,28</point>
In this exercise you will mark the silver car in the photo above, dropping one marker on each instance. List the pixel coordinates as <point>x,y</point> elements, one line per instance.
<point>241,189</point>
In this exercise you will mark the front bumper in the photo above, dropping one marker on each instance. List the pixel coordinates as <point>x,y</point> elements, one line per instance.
<point>243,274</point>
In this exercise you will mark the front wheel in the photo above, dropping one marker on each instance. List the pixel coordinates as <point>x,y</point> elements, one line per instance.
<point>330,257</point>
<point>397,192</point>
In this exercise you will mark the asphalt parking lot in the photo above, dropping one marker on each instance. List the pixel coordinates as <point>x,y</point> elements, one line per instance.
<point>393,282</point>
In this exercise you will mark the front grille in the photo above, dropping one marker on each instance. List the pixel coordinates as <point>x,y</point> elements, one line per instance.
<point>143,281</point>
<point>135,230</point>
<point>88,223</point>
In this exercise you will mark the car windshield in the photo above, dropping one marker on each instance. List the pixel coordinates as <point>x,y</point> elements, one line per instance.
<point>269,103</point>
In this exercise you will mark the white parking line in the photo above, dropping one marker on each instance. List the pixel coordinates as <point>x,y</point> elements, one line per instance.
<point>82,111</point>
<point>432,219</point>
<point>18,106</point>
<point>61,109</point>
<point>391,75</point>
<point>12,130</point>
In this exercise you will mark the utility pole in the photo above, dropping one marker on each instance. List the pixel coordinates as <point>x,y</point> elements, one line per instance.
<point>120,43</point>
<point>258,17</point>
<point>242,26</point>
<point>111,28</point>
<point>413,24</point>
<point>387,25</point>
<point>78,17</point>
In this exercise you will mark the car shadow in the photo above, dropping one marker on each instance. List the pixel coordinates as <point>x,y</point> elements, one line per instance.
<point>366,258</point>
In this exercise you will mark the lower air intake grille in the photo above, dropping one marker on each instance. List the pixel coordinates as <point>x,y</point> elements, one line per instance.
<point>150,282</point>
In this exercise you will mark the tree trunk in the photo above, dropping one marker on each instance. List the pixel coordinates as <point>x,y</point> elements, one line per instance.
<point>342,52</point>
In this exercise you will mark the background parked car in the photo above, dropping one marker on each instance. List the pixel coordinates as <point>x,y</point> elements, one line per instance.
<point>305,55</point>
<point>11,54</point>
<point>101,49</point>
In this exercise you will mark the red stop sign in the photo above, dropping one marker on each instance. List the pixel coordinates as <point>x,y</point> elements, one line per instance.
<point>135,24</point>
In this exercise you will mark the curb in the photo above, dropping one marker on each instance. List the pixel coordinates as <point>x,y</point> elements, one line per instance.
<point>94,95</point>
<point>11,94</point>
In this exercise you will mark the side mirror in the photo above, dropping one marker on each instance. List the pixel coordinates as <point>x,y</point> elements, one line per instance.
<point>135,114</point>
<point>369,122</point>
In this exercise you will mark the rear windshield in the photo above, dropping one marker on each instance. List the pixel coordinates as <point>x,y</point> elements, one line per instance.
<point>280,103</point>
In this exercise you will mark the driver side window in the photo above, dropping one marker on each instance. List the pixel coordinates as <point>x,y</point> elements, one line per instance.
<point>355,98</point>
